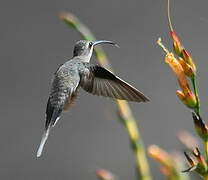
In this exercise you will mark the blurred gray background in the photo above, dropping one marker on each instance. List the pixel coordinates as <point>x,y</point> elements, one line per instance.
<point>34,42</point>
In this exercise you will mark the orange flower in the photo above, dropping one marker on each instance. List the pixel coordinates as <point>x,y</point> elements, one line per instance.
<point>189,99</point>
<point>188,70</point>
<point>103,174</point>
<point>181,52</point>
<point>186,95</point>
<point>178,70</point>
<point>161,156</point>
<point>181,69</point>
<point>168,165</point>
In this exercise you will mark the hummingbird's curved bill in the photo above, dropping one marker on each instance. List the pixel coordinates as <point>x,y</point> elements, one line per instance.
<point>78,73</point>
<point>104,42</point>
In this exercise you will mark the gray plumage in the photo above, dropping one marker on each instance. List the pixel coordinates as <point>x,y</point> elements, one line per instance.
<point>76,73</point>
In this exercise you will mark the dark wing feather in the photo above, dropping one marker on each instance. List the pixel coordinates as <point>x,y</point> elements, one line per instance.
<point>99,81</point>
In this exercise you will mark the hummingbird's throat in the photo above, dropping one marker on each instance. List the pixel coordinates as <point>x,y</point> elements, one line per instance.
<point>87,56</point>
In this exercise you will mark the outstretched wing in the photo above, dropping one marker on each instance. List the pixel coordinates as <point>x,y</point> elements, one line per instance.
<point>99,81</point>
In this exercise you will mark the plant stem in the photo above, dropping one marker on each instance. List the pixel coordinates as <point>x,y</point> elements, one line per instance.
<point>197,109</point>
<point>129,122</point>
<point>206,149</point>
<point>123,107</point>
<point>169,19</point>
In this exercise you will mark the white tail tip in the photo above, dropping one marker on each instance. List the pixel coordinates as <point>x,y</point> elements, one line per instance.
<point>42,143</point>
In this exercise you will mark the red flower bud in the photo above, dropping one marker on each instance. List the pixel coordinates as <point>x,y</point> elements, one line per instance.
<point>176,43</point>
<point>187,57</point>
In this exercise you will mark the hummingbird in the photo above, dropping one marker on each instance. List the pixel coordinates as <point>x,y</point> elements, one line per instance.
<point>78,73</point>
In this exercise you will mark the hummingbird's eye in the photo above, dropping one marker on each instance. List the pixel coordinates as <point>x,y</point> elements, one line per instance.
<point>90,44</point>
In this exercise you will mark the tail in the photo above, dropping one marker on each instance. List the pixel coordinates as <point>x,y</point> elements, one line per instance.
<point>43,141</point>
<point>53,116</point>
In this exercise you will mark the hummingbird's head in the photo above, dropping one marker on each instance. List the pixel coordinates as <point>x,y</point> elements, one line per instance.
<point>84,48</point>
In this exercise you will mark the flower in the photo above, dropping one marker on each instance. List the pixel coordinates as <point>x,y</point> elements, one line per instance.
<point>161,156</point>
<point>178,70</point>
<point>189,99</point>
<point>103,174</point>
<point>177,47</point>
<point>188,59</point>
<point>188,69</point>
<point>181,70</point>
<point>167,162</point>
<point>187,63</point>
